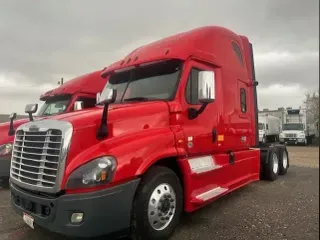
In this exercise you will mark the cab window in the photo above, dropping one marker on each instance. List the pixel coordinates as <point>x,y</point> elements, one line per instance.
<point>243,101</point>
<point>192,87</point>
<point>88,102</point>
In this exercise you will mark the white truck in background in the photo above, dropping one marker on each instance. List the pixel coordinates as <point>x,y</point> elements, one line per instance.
<point>295,129</point>
<point>269,128</point>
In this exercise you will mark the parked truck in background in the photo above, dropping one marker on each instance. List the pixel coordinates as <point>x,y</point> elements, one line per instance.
<point>177,129</point>
<point>296,129</point>
<point>269,128</point>
<point>76,93</point>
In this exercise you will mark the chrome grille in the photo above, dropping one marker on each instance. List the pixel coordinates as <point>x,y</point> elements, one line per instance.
<point>35,157</point>
<point>291,135</point>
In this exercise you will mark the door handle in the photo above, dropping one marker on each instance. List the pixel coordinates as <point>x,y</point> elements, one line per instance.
<point>214,135</point>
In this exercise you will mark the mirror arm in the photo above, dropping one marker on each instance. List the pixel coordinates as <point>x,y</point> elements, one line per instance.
<point>11,129</point>
<point>194,113</point>
<point>103,129</point>
<point>30,116</point>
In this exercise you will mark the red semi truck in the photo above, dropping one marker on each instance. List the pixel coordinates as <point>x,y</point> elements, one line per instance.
<point>177,129</point>
<point>76,93</point>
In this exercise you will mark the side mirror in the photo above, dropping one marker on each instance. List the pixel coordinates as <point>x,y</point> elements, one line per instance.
<point>12,117</point>
<point>30,109</point>
<point>107,96</point>
<point>206,92</point>
<point>78,105</point>
<point>206,86</point>
<point>98,97</point>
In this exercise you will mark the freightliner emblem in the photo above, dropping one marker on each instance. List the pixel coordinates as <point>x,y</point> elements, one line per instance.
<point>33,128</point>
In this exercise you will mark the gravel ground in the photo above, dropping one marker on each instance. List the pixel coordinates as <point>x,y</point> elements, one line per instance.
<point>285,209</point>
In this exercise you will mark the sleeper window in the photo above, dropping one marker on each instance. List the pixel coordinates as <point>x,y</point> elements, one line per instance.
<point>237,51</point>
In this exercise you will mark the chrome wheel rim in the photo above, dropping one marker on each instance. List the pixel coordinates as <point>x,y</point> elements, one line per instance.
<point>162,207</point>
<point>275,162</point>
<point>285,160</point>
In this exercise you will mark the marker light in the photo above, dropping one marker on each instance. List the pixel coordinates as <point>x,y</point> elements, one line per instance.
<point>77,217</point>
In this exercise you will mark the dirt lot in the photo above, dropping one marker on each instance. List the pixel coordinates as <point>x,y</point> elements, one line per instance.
<point>285,209</point>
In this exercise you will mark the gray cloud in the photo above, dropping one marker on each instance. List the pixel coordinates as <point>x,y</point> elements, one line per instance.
<point>45,41</point>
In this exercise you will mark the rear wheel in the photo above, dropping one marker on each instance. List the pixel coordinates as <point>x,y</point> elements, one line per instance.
<point>157,206</point>
<point>271,168</point>
<point>283,161</point>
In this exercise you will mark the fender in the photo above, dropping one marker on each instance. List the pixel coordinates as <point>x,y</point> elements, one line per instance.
<point>135,152</point>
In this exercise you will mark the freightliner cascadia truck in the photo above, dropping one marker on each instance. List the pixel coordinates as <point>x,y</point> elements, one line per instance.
<point>77,93</point>
<point>176,127</point>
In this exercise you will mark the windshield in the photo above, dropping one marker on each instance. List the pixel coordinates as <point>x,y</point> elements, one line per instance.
<point>293,126</point>
<point>154,82</point>
<point>261,126</point>
<point>55,105</point>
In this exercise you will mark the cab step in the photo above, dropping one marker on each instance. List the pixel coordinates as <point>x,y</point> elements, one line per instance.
<point>209,195</point>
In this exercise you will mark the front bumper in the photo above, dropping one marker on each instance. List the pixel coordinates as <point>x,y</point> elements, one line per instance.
<point>5,167</point>
<point>293,140</point>
<point>105,212</point>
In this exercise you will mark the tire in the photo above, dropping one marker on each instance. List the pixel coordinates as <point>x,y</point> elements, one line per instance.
<point>271,168</point>
<point>283,161</point>
<point>157,206</point>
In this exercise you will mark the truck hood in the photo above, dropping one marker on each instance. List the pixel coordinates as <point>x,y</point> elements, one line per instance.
<point>4,129</point>
<point>123,120</point>
<point>118,114</point>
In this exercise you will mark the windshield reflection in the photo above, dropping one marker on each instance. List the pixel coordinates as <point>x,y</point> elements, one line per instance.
<point>153,82</point>
<point>54,106</point>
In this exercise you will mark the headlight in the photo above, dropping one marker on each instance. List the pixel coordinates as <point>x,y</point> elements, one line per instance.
<point>6,149</point>
<point>281,135</point>
<point>302,136</point>
<point>96,172</point>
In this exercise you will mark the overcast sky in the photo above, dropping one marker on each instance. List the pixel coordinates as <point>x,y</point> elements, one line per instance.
<point>42,41</point>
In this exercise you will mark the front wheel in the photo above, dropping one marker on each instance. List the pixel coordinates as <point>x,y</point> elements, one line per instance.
<point>157,206</point>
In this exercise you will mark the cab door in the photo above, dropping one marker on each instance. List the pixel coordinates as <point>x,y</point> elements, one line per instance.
<point>204,135</point>
<point>201,133</point>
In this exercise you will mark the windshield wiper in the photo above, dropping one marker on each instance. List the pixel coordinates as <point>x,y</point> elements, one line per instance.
<point>139,99</point>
